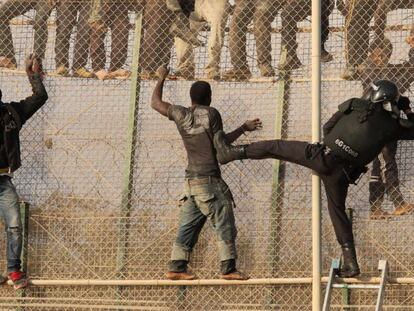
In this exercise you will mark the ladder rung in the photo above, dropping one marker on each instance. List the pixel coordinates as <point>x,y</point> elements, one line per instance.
<point>361,286</point>
<point>333,271</point>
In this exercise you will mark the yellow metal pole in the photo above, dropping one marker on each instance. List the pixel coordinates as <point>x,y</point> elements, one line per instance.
<point>316,182</point>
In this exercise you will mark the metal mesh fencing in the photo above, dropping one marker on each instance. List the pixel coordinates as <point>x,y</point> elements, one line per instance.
<point>103,171</point>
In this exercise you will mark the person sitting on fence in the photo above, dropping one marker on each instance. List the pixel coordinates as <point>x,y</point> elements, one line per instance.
<point>164,20</point>
<point>353,137</point>
<point>13,115</point>
<point>71,14</point>
<point>293,12</point>
<point>359,14</point>
<point>206,196</point>
<point>13,8</point>
<point>215,12</point>
<point>262,12</point>
<point>376,68</point>
<point>109,15</point>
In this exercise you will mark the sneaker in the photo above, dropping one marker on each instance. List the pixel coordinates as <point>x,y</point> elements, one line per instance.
<point>180,276</point>
<point>227,152</point>
<point>292,62</point>
<point>351,74</point>
<point>62,71</point>
<point>7,63</point>
<point>235,276</point>
<point>119,74</point>
<point>403,209</point>
<point>83,73</point>
<point>378,214</point>
<point>326,57</point>
<point>238,74</point>
<point>101,74</point>
<point>19,279</point>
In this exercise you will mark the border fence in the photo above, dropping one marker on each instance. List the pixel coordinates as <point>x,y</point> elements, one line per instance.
<point>102,172</point>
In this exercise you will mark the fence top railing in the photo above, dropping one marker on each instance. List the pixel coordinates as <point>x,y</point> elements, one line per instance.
<point>216,282</point>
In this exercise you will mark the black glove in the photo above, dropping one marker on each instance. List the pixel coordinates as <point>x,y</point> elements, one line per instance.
<point>403,103</point>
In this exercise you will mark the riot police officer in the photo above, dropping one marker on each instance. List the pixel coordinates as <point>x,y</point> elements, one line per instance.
<point>353,137</point>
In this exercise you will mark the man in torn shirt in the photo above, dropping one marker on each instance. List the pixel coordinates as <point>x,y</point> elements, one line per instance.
<point>206,196</point>
<point>12,116</point>
<point>353,137</point>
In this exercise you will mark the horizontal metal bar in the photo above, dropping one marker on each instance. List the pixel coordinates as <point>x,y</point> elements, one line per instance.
<point>402,27</point>
<point>355,286</point>
<point>82,306</point>
<point>215,282</point>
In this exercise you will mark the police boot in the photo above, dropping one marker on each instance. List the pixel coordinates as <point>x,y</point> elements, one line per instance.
<point>227,152</point>
<point>349,266</point>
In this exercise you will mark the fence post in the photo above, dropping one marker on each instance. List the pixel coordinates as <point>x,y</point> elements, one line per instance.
<point>278,171</point>
<point>128,172</point>
<point>316,129</point>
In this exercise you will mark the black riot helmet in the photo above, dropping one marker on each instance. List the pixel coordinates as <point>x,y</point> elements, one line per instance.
<point>384,90</point>
<point>385,93</point>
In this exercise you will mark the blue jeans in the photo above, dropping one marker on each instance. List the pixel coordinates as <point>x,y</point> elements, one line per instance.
<point>210,200</point>
<point>10,212</point>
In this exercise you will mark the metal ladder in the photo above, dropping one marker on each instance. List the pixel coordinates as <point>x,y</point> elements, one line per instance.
<point>335,266</point>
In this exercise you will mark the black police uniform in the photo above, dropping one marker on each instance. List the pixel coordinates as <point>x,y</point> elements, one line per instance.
<point>354,136</point>
<point>403,76</point>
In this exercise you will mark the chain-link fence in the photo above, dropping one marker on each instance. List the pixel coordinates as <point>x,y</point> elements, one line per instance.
<point>103,172</point>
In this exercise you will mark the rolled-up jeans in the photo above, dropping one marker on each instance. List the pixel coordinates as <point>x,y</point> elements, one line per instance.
<point>10,212</point>
<point>205,198</point>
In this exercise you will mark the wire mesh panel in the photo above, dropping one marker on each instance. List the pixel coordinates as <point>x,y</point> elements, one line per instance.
<point>104,172</point>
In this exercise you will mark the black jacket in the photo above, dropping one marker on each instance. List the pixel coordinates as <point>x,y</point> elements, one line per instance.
<point>12,116</point>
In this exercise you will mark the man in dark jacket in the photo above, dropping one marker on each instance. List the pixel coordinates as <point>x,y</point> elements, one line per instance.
<point>206,196</point>
<point>12,116</point>
<point>353,137</point>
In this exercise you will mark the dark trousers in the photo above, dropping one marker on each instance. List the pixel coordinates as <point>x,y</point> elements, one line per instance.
<point>71,13</point>
<point>295,11</point>
<point>114,17</point>
<point>13,8</point>
<point>262,12</point>
<point>328,167</point>
<point>391,183</point>
<point>359,15</point>
<point>158,41</point>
